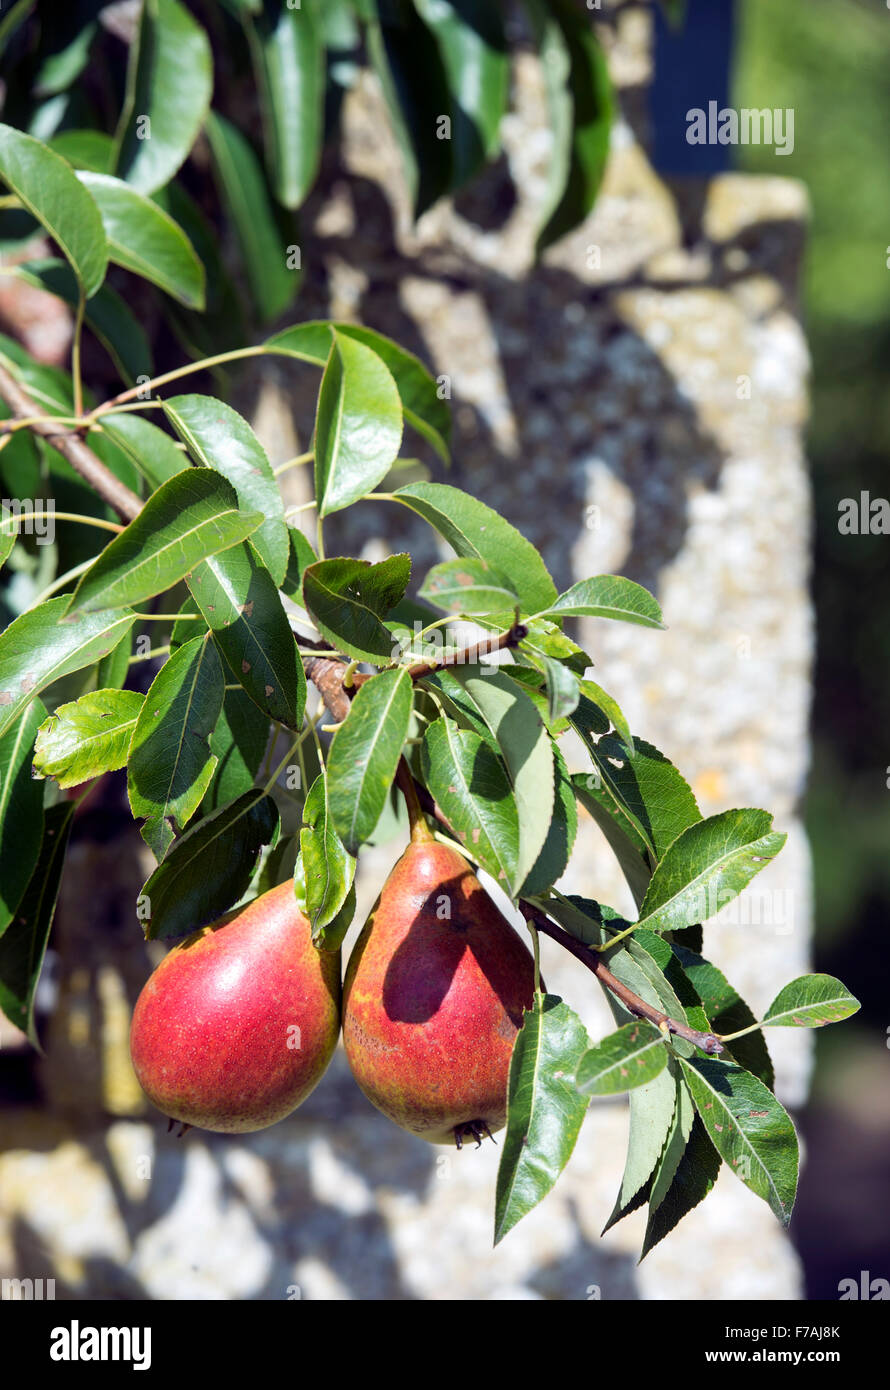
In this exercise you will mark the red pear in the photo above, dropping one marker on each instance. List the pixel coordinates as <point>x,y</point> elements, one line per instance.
<point>433,998</point>
<point>239,1021</point>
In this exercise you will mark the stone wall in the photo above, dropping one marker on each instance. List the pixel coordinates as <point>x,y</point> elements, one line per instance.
<point>635,404</point>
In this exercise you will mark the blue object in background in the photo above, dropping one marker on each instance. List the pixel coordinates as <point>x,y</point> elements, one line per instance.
<point>692,67</point>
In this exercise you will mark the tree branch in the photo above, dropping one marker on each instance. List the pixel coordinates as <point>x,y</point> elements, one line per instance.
<point>72,447</point>
<point>708,1042</point>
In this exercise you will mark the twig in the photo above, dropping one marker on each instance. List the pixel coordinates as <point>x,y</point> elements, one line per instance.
<point>468,656</point>
<point>708,1042</point>
<point>71,447</point>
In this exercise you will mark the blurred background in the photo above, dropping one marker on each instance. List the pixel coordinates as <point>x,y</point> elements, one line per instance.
<point>599,402</point>
<point>829,62</point>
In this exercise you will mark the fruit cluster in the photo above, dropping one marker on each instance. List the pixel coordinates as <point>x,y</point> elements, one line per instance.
<point>239,1022</point>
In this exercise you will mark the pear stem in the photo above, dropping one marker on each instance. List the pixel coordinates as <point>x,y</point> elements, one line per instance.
<point>420,831</point>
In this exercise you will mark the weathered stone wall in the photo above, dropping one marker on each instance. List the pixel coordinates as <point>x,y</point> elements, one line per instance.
<point>634,404</point>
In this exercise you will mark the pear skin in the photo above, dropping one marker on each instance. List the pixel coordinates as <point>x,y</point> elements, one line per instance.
<point>433,999</point>
<point>239,1021</point>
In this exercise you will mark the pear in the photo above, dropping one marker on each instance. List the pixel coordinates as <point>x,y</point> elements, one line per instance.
<point>433,998</point>
<point>239,1021</point>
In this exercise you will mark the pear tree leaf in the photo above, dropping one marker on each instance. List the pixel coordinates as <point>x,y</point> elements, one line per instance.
<point>474,54</point>
<point>556,851</point>
<point>87,737</point>
<point>327,869</point>
<point>693,1179</point>
<point>810,1002</point>
<point>287,49</point>
<point>300,557</point>
<point>23,944</point>
<point>364,755</point>
<point>238,743</point>
<point>646,790</point>
<point>218,437</point>
<point>169,82</point>
<point>674,1146</point>
<point>631,1057</point>
<point>607,596</point>
<point>423,408</point>
<point>471,786</point>
<point>545,1110</point>
<point>358,426</point>
<point>21,811</point>
<point>468,586</point>
<point>46,643</point>
<point>151,450</point>
<point>474,530</point>
<point>48,187</point>
<point>209,868</point>
<point>348,598</point>
<point>242,607</point>
<point>610,708</point>
<point>625,841</point>
<point>145,239</point>
<point>527,751</point>
<point>245,194</point>
<point>706,866</point>
<point>190,517</point>
<point>171,763</point>
<point>748,1127</point>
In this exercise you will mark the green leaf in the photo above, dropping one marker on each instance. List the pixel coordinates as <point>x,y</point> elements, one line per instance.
<point>693,1179</point>
<point>527,751</point>
<point>169,82</point>
<point>598,699</point>
<point>170,763</point>
<point>113,669</point>
<point>87,737</point>
<point>347,599</point>
<point>474,52</point>
<point>243,190</point>
<point>23,945</point>
<point>150,449</point>
<point>287,47</point>
<point>749,1129</point>
<point>810,1002</point>
<point>358,428</point>
<point>422,407</point>
<point>364,754</point>
<point>107,315</point>
<point>646,791</point>
<point>142,238</point>
<point>218,437</point>
<point>607,596</point>
<point>49,188</point>
<point>727,1012</point>
<point>553,859</point>
<point>631,1057</point>
<point>544,1108</point>
<point>473,530</point>
<point>238,743</point>
<point>468,586</point>
<point>300,557</point>
<point>674,1146</point>
<point>241,605</point>
<point>706,866</point>
<point>190,517</point>
<point>580,99</point>
<point>470,785</point>
<point>21,811</point>
<point>209,868</point>
<point>406,58</point>
<point>45,644</point>
<point>327,869</point>
<point>85,149</point>
<point>563,692</point>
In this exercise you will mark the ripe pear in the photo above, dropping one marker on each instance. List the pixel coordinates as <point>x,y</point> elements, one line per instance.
<point>433,998</point>
<point>239,1021</point>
